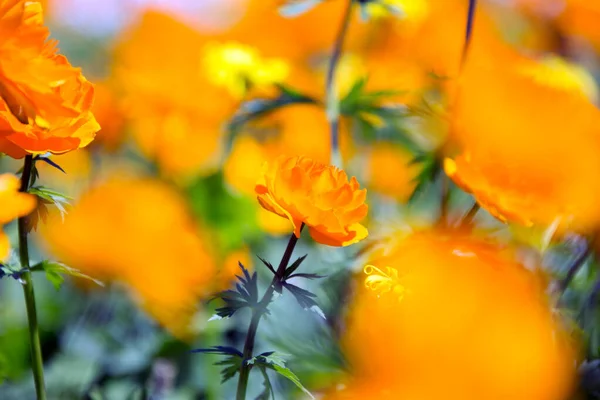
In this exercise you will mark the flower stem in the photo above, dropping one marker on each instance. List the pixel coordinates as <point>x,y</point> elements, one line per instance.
<point>37,363</point>
<point>331,94</point>
<point>468,32</point>
<point>257,314</point>
<point>467,220</point>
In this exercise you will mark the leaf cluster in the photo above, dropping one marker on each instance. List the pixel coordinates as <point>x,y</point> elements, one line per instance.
<point>244,295</point>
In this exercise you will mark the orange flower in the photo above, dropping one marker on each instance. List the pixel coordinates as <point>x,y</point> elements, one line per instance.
<point>168,280</point>
<point>320,196</point>
<point>175,111</point>
<point>46,102</point>
<point>580,18</point>
<point>530,146</point>
<point>110,115</point>
<point>295,129</point>
<point>447,316</point>
<point>14,205</point>
<point>389,171</point>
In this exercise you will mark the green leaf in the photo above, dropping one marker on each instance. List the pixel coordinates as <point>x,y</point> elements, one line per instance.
<point>46,196</point>
<point>295,265</point>
<point>55,272</point>
<point>276,362</point>
<point>268,391</point>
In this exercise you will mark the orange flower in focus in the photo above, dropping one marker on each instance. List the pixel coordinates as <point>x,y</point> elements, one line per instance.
<point>471,323</point>
<point>320,196</point>
<point>530,145</point>
<point>175,111</point>
<point>389,171</point>
<point>46,102</point>
<point>14,204</point>
<point>159,255</point>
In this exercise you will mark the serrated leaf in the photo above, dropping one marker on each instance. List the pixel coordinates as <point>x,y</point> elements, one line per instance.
<point>295,265</point>
<point>54,272</point>
<point>268,265</point>
<point>307,276</point>
<point>276,362</point>
<point>222,350</point>
<point>245,295</point>
<point>268,391</point>
<point>231,363</point>
<point>295,8</point>
<point>48,161</point>
<point>303,296</point>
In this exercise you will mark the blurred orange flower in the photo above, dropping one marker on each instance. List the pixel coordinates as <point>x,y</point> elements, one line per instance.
<point>454,317</point>
<point>175,111</point>
<point>530,146</point>
<point>108,110</point>
<point>580,18</point>
<point>46,102</point>
<point>388,171</point>
<point>320,196</point>
<point>121,225</point>
<point>14,205</point>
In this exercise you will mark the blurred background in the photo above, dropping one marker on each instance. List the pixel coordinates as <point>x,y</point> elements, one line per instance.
<point>193,96</point>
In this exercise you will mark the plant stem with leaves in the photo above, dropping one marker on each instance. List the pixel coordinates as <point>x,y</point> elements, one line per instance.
<point>331,93</point>
<point>37,363</point>
<point>257,313</point>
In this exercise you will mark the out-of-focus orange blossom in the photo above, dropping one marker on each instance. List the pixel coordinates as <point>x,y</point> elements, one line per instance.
<point>159,255</point>
<point>538,160</point>
<point>14,205</point>
<point>176,113</point>
<point>580,18</point>
<point>309,192</point>
<point>471,323</point>
<point>46,103</point>
<point>388,171</point>
<point>312,33</point>
<point>109,112</point>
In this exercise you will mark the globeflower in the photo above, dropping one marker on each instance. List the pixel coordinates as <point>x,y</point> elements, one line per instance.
<point>46,103</point>
<point>317,195</point>
<point>159,256</point>
<point>446,315</point>
<point>14,205</point>
<point>529,146</point>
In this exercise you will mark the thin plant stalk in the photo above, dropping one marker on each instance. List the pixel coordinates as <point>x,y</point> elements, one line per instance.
<point>37,363</point>
<point>331,94</point>
<point>258,312</point>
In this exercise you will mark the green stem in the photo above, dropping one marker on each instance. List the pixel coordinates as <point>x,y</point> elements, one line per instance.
<point>257,314</point>
<point>331,95</point>
<point>37,363</point>
<point>467,220</point>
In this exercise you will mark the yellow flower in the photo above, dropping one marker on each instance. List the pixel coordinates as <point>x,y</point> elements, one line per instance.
<point>468,310</point>
<point>320,196</point>
<point>13,205</point>
<point>241,69</point>
<point>159,256</point>
<point>46,102</point>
